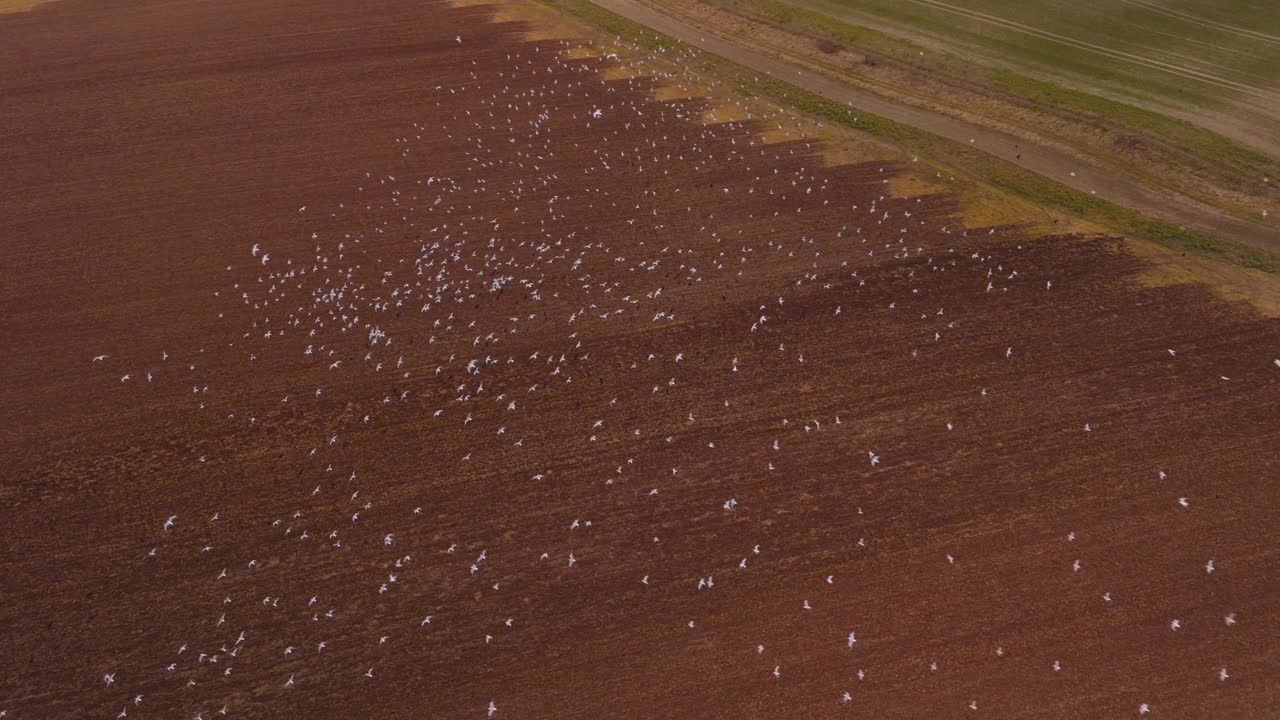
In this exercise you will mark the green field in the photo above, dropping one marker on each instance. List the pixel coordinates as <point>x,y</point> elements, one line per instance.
<point>1215,62</point>
<point>998,174</point>
<point>1217,146</point>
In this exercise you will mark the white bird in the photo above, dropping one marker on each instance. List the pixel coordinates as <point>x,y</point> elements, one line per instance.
<point>169,523</point>
<point>493,708</point>
<point>1208,567</point>
<point>1175,625</point>
<point>1144,709</point>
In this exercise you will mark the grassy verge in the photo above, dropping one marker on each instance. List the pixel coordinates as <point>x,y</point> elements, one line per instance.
<point>960,32</point>
<point>1214,158</point>
<point>1197,141</point>
<point>986,169</point>
<point>1042,191</point>
<point>818,23</point>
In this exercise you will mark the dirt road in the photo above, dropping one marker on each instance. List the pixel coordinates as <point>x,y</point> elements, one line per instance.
<point>1047,161</point>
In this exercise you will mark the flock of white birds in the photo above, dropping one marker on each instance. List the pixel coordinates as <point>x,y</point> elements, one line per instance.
<point>562,263</point>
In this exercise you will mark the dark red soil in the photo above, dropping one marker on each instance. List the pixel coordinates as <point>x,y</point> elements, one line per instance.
<point>461,199</point>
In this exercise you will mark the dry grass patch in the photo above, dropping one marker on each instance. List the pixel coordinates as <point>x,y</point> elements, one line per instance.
<point>1229,282</point>
<point>16,6</point>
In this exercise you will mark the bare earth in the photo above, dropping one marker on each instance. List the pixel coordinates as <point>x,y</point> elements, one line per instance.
<point>442,371</point>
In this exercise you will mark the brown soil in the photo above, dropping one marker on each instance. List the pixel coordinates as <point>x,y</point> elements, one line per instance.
<point>604,274</point>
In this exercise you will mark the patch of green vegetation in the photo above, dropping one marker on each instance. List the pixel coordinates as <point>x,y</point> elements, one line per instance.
<point>814,22</point>
<point>1074,39</point>
<point>1043,191</point>
<point>1207,154</point>
<point>1196,139</point>
<point>1047,193</point>
<point>997,173</point>
<point>818,106</point>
